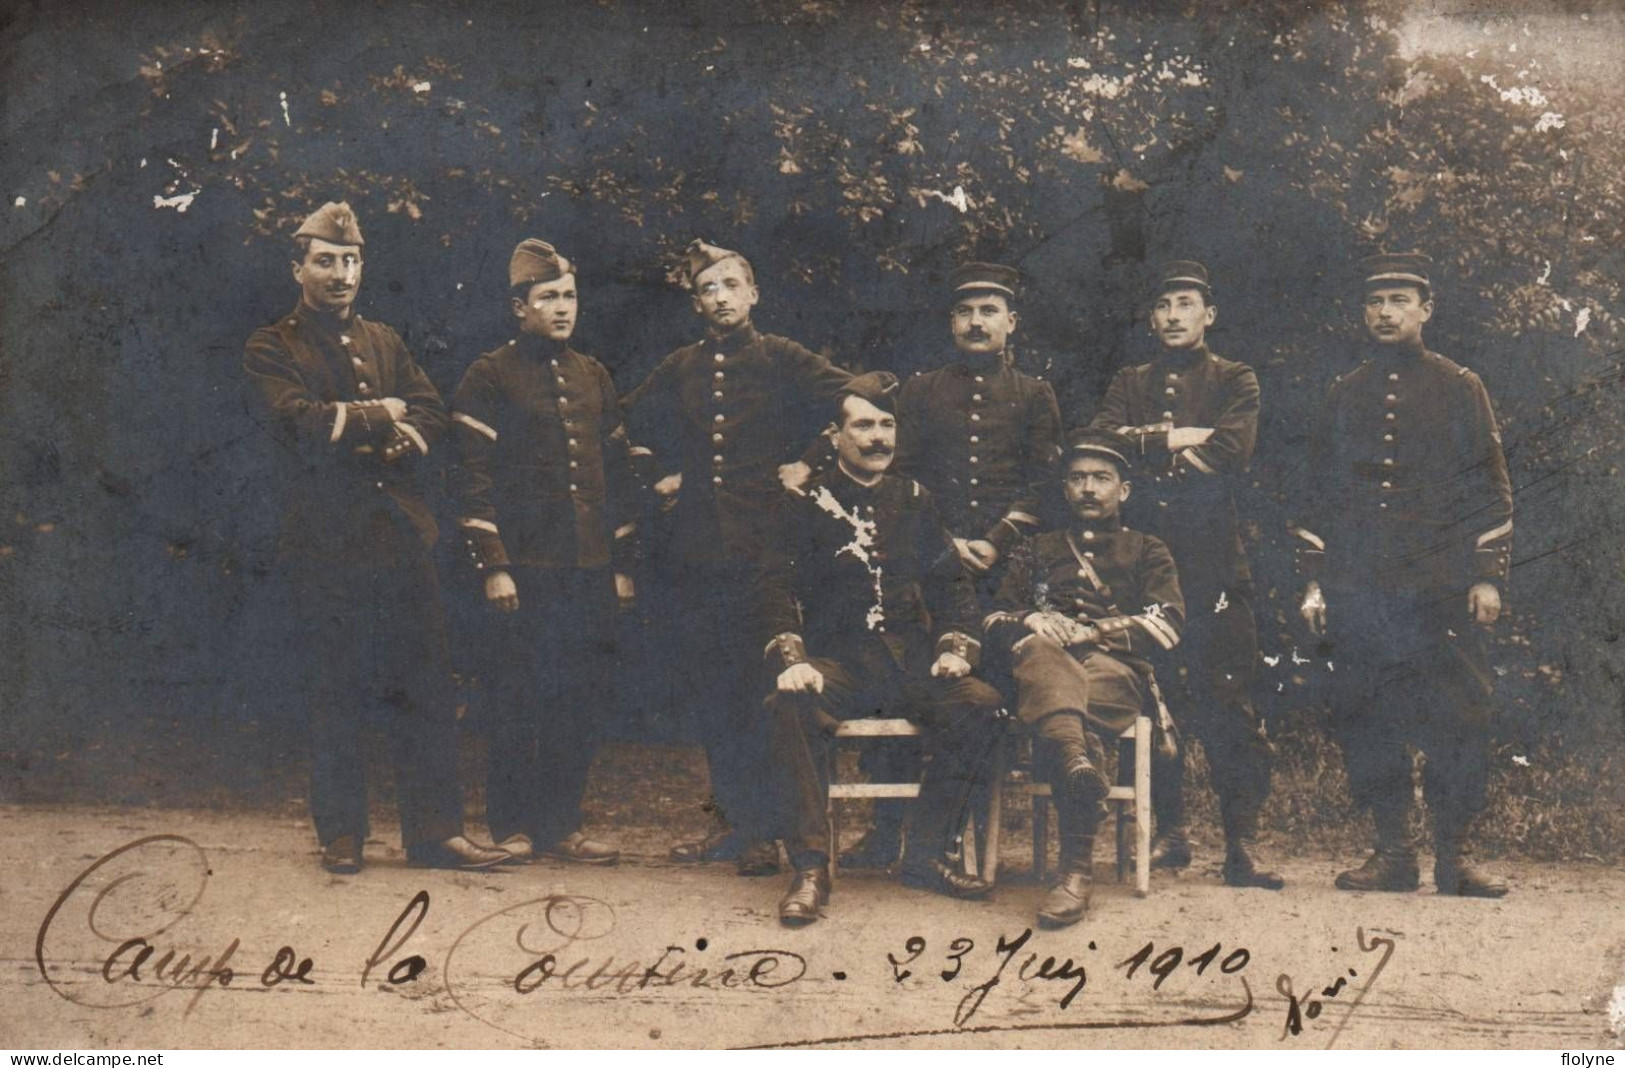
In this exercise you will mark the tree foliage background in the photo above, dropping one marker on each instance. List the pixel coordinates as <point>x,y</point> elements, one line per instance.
<point>158,155</point>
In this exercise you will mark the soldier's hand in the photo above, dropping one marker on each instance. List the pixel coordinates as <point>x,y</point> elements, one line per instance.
<point>794,476</point>
<point>501,591</point>
<point>666,489</point>
<point>396,408</point>
<point>1484,603</point>
<point>1057,628</point>
<point>801,678</point>
<point>1187,437</point>
<point>624,590</point>
<point>1313,609</point>
<point>1083,634</point>
<point>968,558</point>
<point>950,666</point>
<point>986,553</point>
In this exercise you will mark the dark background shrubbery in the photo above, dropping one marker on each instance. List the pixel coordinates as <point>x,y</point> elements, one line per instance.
<point>855,152</point>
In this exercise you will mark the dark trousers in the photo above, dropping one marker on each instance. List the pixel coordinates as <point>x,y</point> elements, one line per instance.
<point>550,694</point>
<point>716,671</point>
<point>1058,734</point>
<point>1211,701</point>
<point>1412,670</point>
<point>378,646</point>
<point>960,735</point>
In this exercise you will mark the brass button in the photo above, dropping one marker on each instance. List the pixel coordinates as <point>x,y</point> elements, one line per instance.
<point>975,418</point>
<point>1393,376</point>
<point>572,487</point>
<point>1387,485</point>
<point>719,376</point>
<point>975,396</point>
<point>717,459</point>
<point>1088,535</point>
<point>717,418</point>
<point>976,504</point>
<point>719,357</point>
<point>1167,415</point>
<point>717,438</point>
<point>1390,417</point>
<point>1170,391</point>
<point>973,459</point>
<point>975,481</point>
<point>974,439</point>
<point>716,479</point>
<point>1387,461</point>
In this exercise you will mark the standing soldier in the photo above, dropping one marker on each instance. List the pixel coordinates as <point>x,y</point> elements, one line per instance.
<point>1081,610</point>
<point>355,412</point>
<point>1411,509</point>
<point>865,609</point>
<point>1193,418</point>
<point>727,419</point>
<point>983,437</point>
<point>545,490</point>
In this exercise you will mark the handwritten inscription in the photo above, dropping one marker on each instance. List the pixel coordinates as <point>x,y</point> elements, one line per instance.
<point>115,937</point>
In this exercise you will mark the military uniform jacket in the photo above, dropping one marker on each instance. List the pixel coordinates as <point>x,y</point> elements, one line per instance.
<point>1409,484</point>
<point>344,502</point>
<point>1190,493</point>
<point>726,413</point>
<point>863,565</point>
<point>1120,580</point>
<point>545,474</point>
<point>984,439</point>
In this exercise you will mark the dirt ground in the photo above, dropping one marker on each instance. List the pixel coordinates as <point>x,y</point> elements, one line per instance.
<point>649,954</point>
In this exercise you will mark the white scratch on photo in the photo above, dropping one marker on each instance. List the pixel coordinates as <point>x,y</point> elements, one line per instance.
<point>287,120</point>
<point>180,203</point>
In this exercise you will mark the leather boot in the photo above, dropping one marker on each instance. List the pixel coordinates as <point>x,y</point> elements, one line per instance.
<point>1084,781</point>
<point>1171,848</point>
<point>1392,865</point>
<point>1453,872</point>
<point>1240,817</point>
<point>1068,899</point>
<point>809,892</point>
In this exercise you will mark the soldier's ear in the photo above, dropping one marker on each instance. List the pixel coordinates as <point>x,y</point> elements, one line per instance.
<point>1427,309</point>
<point>1212,314</point>
<point>1123,489</point>
<point>831,430</point>
<point>518,308</point>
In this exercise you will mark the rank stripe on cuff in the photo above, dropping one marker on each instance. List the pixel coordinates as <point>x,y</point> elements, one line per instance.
<point>1164,635</point>
<point>1488,536</point>
<point>474,424</point>
<point>480,524</point>
<point>339,420</point>
<point>1197,462</point>
<point>417,439</point>
<point>1311,537</point>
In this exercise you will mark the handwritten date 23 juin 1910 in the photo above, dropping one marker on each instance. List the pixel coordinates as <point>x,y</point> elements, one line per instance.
<point>131,901</point>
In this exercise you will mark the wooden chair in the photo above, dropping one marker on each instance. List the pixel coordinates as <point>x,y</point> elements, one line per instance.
<point>1130,799</point>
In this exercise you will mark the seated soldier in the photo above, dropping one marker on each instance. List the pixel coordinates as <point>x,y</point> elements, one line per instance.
<point>1079,610</point>
<point>886,613</point>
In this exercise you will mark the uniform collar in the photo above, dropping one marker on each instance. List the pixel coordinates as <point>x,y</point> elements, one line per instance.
<point>541,348</point>
<point>981,365</point>
<point>1182,358</point>
<point>1391,354</point>
<point>325,322</point>
<point>1095,528</point>
<point>735,339</point>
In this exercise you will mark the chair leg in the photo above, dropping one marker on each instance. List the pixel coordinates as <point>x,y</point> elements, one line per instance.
<point>832,822</point>
<point>995,815</point>
<point>1142,806</point>
<point>1040,836</point>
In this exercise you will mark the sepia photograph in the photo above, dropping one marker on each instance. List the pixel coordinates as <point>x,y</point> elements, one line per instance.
<point>812,524</point>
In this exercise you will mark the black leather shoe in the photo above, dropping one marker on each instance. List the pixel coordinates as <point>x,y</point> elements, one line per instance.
<point>759,858</point>
<point>1086,782</point>
<point>458,854</point>
<point>1458,877</point>
<point>577,848</point>
<point>1068,900</point>
<point>718,845</point>
<point>877,849</point>
<point>519,847</point>
<point>809,892</point>
<point>1173,853</point>
<point>1240,869</point>
<point>1394,872</point>
<point>342,856</point>
<point>941,878</point>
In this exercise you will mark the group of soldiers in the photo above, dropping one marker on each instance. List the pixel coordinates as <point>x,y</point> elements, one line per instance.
<point>847,545</point>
